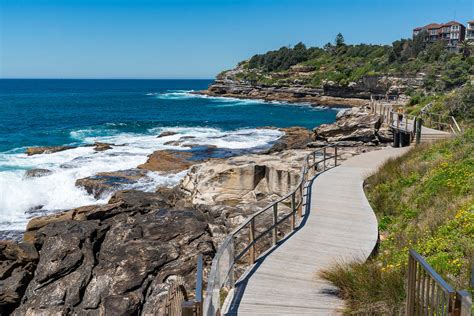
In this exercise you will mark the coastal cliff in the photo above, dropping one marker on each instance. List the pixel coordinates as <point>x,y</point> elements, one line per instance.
<point>289,87</point>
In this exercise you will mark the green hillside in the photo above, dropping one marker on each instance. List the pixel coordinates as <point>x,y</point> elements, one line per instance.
<point>343,64</point>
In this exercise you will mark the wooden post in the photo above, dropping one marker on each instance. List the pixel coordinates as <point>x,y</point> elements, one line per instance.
<point>411,285</point>
<point>275,220</point>
<point>418,124</point>
<point>293,211</point>
<point>252,241</point>
<point>335,156</point>
<point>463,303</point>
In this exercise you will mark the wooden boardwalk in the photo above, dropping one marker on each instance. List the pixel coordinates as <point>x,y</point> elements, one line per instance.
<point>340,226</point>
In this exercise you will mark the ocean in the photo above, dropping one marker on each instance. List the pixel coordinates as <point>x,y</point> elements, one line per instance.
<point>129,114</point>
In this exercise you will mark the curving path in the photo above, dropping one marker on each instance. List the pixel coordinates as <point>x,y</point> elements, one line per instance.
<point>340,226</point>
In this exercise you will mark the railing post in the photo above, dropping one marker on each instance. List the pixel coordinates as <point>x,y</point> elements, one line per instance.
<point>411,285</point>
<point>275,220</point>
<point>231,263</point>
<point>418,124</point>
<point>293,211</point>
<point>324,159</point>
<point>463,303</point>
<point>300,207</point>
<point>194,307</point>
<point>252,241</point>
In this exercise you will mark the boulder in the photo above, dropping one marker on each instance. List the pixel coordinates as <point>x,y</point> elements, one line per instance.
<point>356,124</point>
<point>294,138</point>
<point>106,182</point>
<point>168,161</point>
<point>46,149</point>
<point>37,172</point>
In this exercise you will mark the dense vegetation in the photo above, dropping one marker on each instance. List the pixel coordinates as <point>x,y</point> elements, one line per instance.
<point>342,63</point>
<point>423,200</point>
<point>458,103</point>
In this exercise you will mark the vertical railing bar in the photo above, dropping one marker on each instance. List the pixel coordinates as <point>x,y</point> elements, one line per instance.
<point>300,207</point>
<point>324,159</point>
<point>418,286</point>
<point>275,221</point>
<point>433,296</point>
<point>293,211</point>
<point>252,241</point>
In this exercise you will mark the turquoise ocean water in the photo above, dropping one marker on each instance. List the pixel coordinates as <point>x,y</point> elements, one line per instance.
<point>129,114</point>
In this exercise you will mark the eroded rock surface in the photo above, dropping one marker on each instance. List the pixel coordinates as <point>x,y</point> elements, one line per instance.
<point>352,126</point>
<point>114,258</point>
<point>17,265</point>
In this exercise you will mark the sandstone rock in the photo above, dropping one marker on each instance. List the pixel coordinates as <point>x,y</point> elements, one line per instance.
<point>168,161</point>
<point>36,173</point>
<point>294,138</point>
<point>106,182</point>
<point>102,146</point>
<point>46,149</point>
<point>354,124</point>
<point>233,179</point>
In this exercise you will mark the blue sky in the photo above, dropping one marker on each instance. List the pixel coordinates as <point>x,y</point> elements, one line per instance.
<point>191,39</point>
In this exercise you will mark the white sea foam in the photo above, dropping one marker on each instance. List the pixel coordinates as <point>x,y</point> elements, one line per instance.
<point>57,191</point>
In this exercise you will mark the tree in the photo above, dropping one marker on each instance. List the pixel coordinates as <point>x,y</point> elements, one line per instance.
<point>466,48</point>
<point>339,40</point>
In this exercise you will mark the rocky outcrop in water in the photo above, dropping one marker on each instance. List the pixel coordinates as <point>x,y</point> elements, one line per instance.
<point>107,182</point>
<point>168,161</point>
<point>37,172</point>
<point>30,151</point>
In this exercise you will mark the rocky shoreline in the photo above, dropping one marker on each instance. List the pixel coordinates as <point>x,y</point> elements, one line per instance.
<point>120,258</point>
<point>354,94</point>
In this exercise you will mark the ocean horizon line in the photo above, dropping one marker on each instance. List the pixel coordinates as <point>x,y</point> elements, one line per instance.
<point>176,79</point>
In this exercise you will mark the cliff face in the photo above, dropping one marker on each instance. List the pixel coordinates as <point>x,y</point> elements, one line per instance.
<point>293,86</point>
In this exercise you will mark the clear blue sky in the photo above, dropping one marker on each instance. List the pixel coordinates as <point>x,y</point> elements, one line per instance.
<point>191,39</point>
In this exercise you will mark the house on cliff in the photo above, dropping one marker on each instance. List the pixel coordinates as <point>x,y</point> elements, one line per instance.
<point>452,33</point>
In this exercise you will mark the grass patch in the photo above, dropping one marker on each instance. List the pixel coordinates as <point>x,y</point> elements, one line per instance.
<point>423,200</point>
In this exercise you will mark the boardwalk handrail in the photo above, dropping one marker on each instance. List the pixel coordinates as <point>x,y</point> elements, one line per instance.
<point>429,294</point>
<point>222,274</point>
<point>441,122</point>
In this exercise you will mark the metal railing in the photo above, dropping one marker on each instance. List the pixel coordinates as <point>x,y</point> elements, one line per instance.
<point>406,122</point>
<point>260,233</point>
<point>177,302</point>
<point>429,294</point>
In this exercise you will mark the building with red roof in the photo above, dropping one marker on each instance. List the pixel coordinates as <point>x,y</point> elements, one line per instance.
<point>451,32</point>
